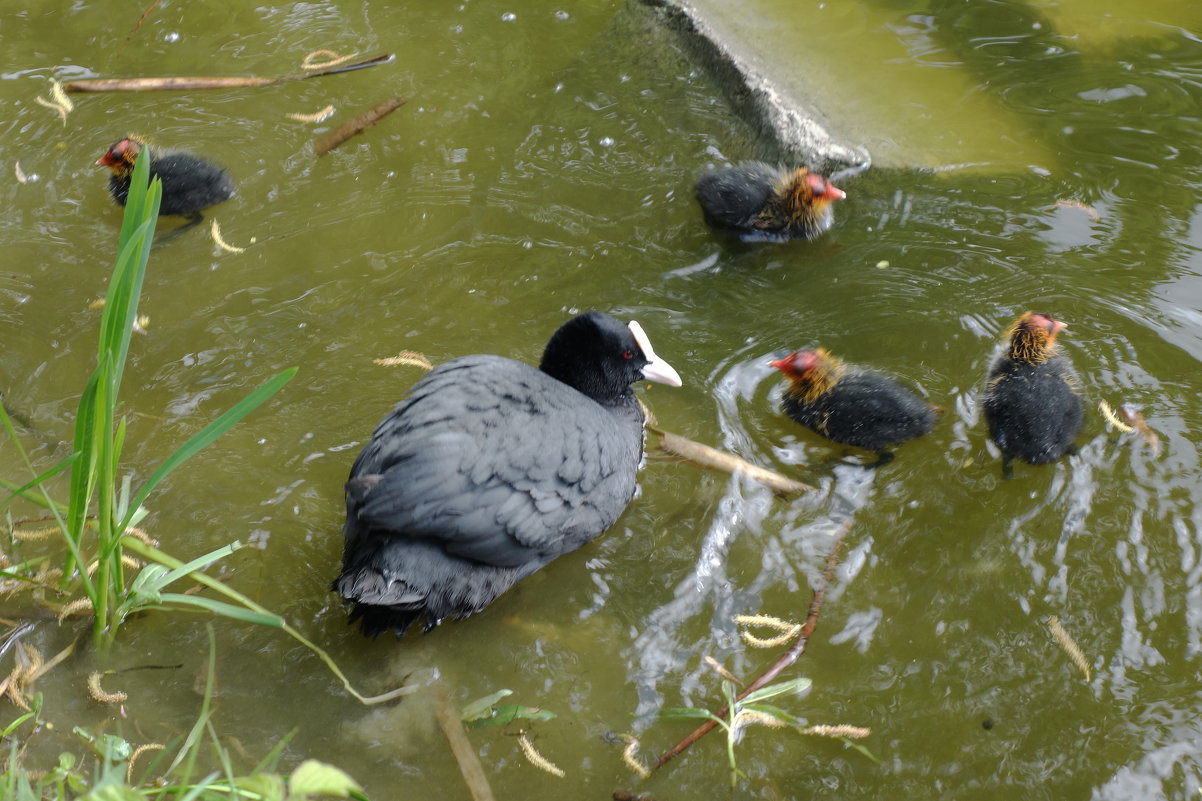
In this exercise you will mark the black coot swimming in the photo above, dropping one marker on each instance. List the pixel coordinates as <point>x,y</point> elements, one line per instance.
<point>1032,401</point>
<point>758,201</point>
<point>851,405</point>
<point>190,183</point>
<point>490,469</point>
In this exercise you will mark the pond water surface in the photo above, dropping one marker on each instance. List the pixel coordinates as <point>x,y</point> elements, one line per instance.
<point>542,166</point>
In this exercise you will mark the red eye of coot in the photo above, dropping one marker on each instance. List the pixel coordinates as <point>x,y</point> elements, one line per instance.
<point>628,354</point>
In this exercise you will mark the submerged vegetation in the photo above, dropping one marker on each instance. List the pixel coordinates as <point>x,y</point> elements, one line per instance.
<point>98,522</point>
<point>113,769</point>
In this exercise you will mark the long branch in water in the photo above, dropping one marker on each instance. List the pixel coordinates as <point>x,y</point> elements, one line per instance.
<point>356,126</point>
<point>189,83</point>
<point>714,459</point>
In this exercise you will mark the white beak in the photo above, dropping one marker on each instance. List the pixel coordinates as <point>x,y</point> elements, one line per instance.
<point>656,369</point>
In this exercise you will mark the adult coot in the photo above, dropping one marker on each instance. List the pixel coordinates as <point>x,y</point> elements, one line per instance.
<point>761,202</point>
<point>490,469</point>
<point>1032,401</point>
<point>851,405</point>
<point>190,183</point>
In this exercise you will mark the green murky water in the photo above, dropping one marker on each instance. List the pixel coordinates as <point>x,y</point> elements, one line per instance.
<point>544,165</point>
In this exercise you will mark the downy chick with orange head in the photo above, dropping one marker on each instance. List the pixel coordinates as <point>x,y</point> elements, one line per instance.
<point>851,405</point>
<point>190,183</point>
<point>1032,400</point>
<point>760,202</point>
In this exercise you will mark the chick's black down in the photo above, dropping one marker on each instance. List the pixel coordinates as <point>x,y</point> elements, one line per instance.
<point>864,409</point>
<point>190,183</point>
<point>1033,410</point>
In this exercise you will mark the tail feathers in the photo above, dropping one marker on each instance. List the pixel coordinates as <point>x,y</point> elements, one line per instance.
<point>379,604</point>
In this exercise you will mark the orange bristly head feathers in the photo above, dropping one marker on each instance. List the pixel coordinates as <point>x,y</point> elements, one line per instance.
<point>120,157</point>
<point>809,189</point>
<point>812,372</point>
<point>1033,337</point>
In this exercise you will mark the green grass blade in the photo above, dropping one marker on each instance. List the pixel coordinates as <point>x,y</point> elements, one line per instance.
<point>155,555</point>
<point>223,609</point>
<point>21,491</point>
<point>83,471</point>
<point>211,432</point>
<point>199,563</point>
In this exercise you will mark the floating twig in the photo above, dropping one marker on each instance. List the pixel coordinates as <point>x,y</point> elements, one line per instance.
<point>1070,646</point>
<point>1112,418</point>
<point>786,631</point>
<point>786,659</point>
<point>215,232</point>
<point>141,749</point>
<point>318,117</point>
<point>19,173</point>
<point>98,693</point>
<point>408,358</point>
<point>58,100</point>
<point>33,535</point>
<point>538,760</point>
<point>841,730</point>
<point>311,61</point>
<point>461,747</point>
<point>630,757</point>
<point>1089,210</point>
<point>356,126</point>
<point>189,83</point>
<point>713,459</point>
<point>718,668</point>
<point>1136,418</point>
<point>75,607</point>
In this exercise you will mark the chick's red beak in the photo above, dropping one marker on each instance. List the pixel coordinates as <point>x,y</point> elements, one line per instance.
<point>835,193</point>
<point>795,364</point>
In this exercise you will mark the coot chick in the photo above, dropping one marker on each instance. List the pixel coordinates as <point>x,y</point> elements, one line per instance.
<point>1032,401</point>
<point>490,469</point>
<point>761,202</point>
<point>190,183</point>
<point>851,405</point>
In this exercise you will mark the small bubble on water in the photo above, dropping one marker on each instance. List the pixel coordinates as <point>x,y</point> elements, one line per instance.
<point>562,15</point>
<point>171,37</point>
<point>607,141</point>
<point>508,16</point>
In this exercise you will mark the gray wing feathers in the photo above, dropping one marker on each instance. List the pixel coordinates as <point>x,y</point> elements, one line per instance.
<point>504,485</point>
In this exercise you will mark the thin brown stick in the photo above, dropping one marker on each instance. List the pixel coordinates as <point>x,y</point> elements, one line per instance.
<point>713,459</point>
<point>461,747</point>
<point>179,83</point>
<point>356,126</point>
<point>786,659</point>
<point>142,18</point>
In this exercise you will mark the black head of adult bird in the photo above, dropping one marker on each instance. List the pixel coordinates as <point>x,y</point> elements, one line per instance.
<point>758,201</point>
<point>490,469</point>
<point>190,183</point>
<point>1032,401</point>
<point>851,405</point>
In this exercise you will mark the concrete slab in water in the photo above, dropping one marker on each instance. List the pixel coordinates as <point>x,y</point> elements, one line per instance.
<point>835,80</point>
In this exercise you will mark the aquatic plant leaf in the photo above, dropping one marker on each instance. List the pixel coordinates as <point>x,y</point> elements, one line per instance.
<point>312,776</point>
<point>507,713</point>
<point>267,786</point>
<point>482,706</point>
<point>223,609</point>
<point>686,713</point>
<point>114,792</point>
<point>794,686</point>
